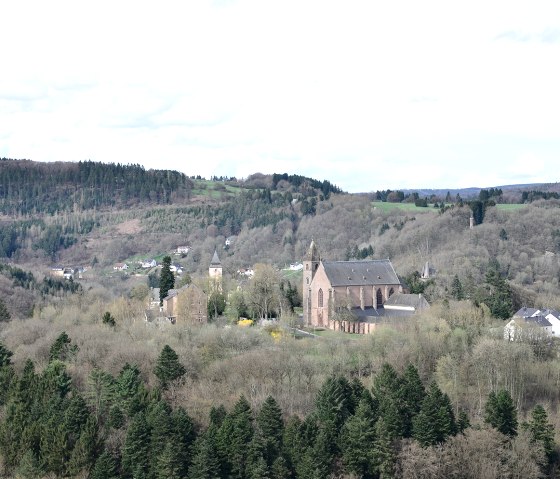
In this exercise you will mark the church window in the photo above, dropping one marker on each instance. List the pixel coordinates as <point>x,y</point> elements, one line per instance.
<point>320,298</point>
<point>379,297</point>
<point>391,292</point>
<point>307,267</point>
<point>316,266</point>
<point>307,279</point>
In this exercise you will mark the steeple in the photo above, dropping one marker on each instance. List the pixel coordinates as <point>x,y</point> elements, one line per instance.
<point>215,260</point>
<point>215,269</point>
<point>312,253</point>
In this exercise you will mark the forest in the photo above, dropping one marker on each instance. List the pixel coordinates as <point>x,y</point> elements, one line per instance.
<point>89,389</point>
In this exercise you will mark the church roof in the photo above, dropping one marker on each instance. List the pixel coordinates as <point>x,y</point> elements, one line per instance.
<point>416,301</point>
<point>215,260</point>
<point>360,273</point>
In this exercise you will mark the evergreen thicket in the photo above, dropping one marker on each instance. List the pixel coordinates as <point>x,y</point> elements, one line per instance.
<point>48,426</point>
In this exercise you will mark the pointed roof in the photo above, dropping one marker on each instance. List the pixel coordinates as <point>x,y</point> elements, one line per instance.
<point>215,260</point>
<point>312,253</point>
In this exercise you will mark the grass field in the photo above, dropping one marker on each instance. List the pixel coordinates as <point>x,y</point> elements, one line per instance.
<point>508,207</point>
<point>379,205</point>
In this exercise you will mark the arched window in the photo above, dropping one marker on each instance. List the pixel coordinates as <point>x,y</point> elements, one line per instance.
<point>307,266</point>
<point>391,292</point>
<point>320,298</point>
<point>379,297</point>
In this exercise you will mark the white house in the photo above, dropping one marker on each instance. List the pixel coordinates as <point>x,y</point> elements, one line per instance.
<point>542,320</point>
<point>533,327</point>
<point>176,268</point>
<point>148,263</point>
<point>120,267</point>
<point>182,250</point>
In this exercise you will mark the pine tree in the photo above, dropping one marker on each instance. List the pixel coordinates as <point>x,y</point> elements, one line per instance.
<point>271,426</point>
<point>169,464</point>
<point>166,279</point>
<point>542,431</point>
<point>387,389</point>
<point>501,413</point>
<point>383,450</point>
<point>136,448</point>
<point>86,449</point>
<point>205,464</point>
<point>183,434</point>
<point>463,422</point>
<point>435,421</point>
<point>61,349</point>
<point>5,355</point>
<point>4,313</point>
<point>161,426</point>
<point>234,438</point>
<point>105,467</point>
<point>334,401</point>
<point>412,392</point>
<point>457,289</point>
<point>168,368</point>
<point>357,438</point>
<point>280,469</point>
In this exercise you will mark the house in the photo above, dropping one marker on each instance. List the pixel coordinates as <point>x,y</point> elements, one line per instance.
<point>547,320</point>
<point>296,267</point>
<point>530,328</point>
<point>120,267</point>
<point>229,241</point>
<point>182,250</point>
<point>68,273</point>
<point>188,304</point>
<point>351,295</point>
<point>176,268</point>
<point>57,271</point>
<point>148,263</point>
<point>248,272</point>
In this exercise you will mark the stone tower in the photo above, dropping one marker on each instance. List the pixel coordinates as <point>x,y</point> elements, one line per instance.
<point>310,265</point>
<point>215,269</point>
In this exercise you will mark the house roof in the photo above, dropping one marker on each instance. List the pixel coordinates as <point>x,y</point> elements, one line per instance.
<point>360,273</point>
<point>372,315</point>
<point>525,312</point>
<point>538,321</point>
<point>416,301</point>
<point>215,260</point>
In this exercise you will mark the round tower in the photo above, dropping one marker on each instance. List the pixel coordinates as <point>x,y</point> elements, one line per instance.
<point>310,264</point>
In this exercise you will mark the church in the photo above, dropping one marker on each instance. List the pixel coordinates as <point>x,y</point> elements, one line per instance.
<point>352,295</point>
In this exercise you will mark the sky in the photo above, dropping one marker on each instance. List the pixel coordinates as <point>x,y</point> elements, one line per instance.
<point>366,94</point>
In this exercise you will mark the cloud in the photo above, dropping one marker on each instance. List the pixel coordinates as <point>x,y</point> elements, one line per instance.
<point>549,35</point>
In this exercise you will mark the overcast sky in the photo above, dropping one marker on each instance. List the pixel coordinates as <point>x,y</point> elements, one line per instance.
<point>367,94</point>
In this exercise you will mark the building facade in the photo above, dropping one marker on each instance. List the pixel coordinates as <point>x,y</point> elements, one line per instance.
<point>345,291</point>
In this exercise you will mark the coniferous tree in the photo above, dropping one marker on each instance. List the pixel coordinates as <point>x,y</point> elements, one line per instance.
<point>435,421</point>
<point>169,464</point>
<point>61,349</point>
<point>542,431</point>
<point>136,447</point>
<point>357,438</point>
<point>5,355</point>
<point>412,393</point>
<point>206,464</point>
<point>168,368</point>
<point>334,401</point>
<point>501,413</point>
<point>86,450</point>
<point>4,313</point>
<point>384,456</point>
<point>463,422</point>
<point>387,389</point>
<point>457,289</point>
<point>271,426</point>
<point>166,278</point>
<point>105,467</point>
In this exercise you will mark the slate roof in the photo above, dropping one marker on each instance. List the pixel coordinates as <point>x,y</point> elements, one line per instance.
<point>538,321</point>
<point>372,315</point>
<point>360,273</point>
<point>215,260</point>
<point>416,301</point>
<point>525,312</point>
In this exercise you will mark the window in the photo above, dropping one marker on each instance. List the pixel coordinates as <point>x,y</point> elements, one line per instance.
<point>379,297</point>
<point>391,292</point>
<point>320,298</point>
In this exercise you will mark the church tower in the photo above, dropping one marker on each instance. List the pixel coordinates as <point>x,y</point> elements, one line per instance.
<point>215,270</point>
<point>310,265</point>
